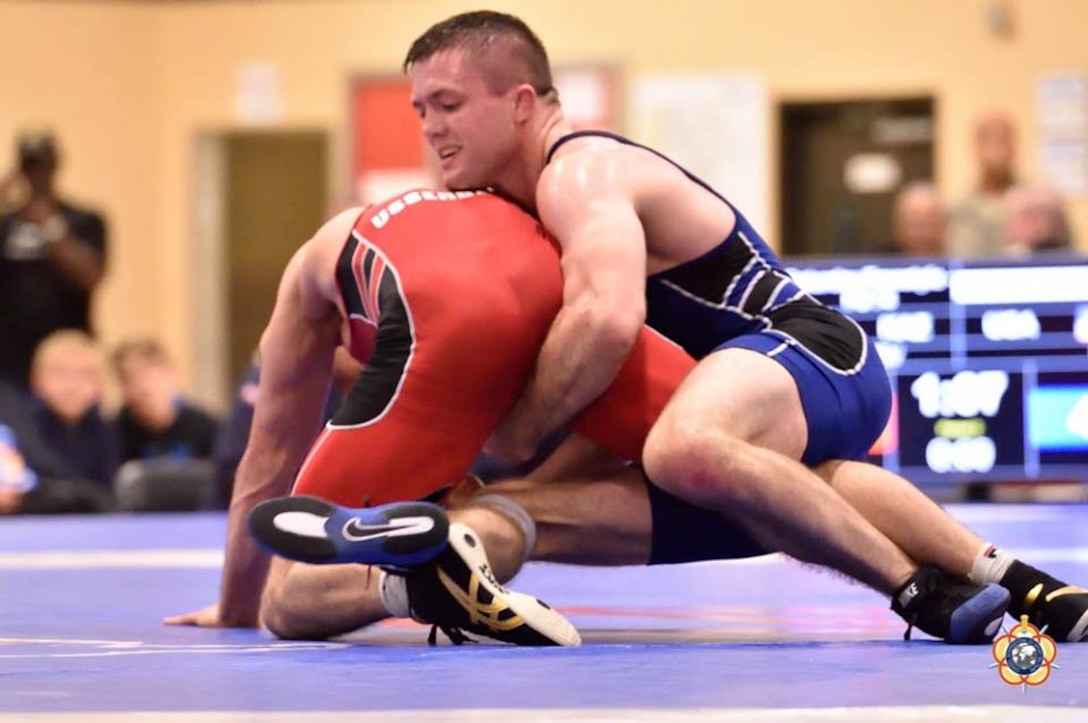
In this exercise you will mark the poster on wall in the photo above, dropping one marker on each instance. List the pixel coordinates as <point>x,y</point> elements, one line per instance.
<point>388,153</point>
<point>1062,107</point>
<point>716,126</point>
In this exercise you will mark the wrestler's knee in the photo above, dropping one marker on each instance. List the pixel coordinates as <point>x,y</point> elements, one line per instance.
<point>284,614</point>
<point>507,530</point>
<point>694,460</point>
<point>275,615</point>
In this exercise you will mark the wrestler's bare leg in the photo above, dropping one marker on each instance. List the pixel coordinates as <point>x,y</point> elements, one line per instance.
<point>931,536</point>
<point>898,509</point>
<point>735,448</point>
<point>903,513</point>
<point>314,602</point>
<point>318,601</point>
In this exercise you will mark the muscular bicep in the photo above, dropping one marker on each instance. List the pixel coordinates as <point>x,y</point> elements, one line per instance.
<point>592,214</point>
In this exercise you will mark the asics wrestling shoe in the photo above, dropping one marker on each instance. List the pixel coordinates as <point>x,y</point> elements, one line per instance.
<point>949,608</point>
<point>1060,610</point>
<point>458,594</point>
<point>396,536</point>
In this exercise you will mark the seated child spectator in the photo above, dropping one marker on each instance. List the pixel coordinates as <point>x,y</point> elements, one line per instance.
<point>155,420</point>
<point>63,410</point>
<point>41,488</point>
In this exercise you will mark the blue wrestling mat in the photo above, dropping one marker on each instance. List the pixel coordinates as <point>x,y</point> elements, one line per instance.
<point>82,599</point>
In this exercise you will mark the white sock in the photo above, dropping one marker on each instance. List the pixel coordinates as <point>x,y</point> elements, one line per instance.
<point>990,565</point>
<point>394,593</point>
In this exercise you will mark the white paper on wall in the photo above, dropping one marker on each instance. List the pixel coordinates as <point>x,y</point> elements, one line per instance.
<point>1062,108</point>
<point>716,126</point>
<point>258,93</point>
<point>585,96</point>
<point>376,186</point>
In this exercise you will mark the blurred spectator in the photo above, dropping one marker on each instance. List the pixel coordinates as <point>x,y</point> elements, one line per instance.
<point>920,223</point>
<point>1035,220</point>
<point>16,479</point>
<point>234,434</point>
<point>978,225</point>
<point>7,189</point>
<point>32,477</point>
<point>57,430</point>
<point>155,420</point>
<point>52,256</point>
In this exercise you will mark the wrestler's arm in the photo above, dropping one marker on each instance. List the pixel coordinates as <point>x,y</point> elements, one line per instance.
<point>585,201</point>
<point>296,349</point>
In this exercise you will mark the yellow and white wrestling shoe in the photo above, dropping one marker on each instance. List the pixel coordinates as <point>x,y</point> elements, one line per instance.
<point>457,593</point>
<point>1061,610</point>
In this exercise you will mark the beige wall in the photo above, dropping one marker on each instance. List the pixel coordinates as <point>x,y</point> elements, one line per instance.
<point>128,85</point>
<point>90,71</point>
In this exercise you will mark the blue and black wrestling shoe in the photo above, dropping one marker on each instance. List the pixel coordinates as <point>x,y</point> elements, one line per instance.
<point>397,536</point>
<point>950,608</point>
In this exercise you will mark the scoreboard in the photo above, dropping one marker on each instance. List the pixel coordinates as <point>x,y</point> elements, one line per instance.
<point>987,359</point>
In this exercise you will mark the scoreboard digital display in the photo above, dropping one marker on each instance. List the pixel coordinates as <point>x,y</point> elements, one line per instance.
<point>988,361</point>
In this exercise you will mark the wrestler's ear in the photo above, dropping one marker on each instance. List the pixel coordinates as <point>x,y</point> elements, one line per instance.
<point>525,101</point>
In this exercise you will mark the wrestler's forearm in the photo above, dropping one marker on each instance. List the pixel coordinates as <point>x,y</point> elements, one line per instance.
<point>245,566</point>
<point>296,353</point>
<point>285,421</point>
<point>582,354</point>
<point>245,569</point>
<point>278,443</point>
<point>577,457</point>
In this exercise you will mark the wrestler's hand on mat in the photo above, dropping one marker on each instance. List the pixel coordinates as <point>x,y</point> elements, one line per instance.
<point>206,618</point>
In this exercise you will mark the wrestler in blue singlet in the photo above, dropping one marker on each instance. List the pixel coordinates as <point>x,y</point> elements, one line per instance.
<point>739,295</point>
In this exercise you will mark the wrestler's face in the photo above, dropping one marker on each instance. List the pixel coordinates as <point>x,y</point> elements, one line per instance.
<point>468,124</point>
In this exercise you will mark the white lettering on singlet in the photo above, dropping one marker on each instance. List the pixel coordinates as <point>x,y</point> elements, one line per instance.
<point>396,205</point>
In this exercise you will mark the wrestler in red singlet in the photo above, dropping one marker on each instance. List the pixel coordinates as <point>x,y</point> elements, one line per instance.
<point>448,298</point>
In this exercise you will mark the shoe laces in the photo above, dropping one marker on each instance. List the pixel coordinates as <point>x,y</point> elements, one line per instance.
<point>926,584</point>
<point>455,634</point>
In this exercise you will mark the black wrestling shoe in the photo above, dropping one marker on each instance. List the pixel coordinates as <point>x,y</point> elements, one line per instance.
<point>1060,610</point>
<point>397,536</point>
<point>949,608</point>
<point>458,594</point>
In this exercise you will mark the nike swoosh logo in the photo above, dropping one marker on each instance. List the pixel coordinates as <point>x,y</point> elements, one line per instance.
<point>356,531</point>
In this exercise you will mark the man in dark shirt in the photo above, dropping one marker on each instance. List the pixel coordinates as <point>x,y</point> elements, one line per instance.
<point>52,257</point>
